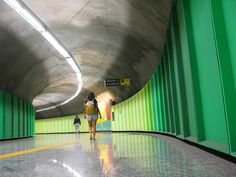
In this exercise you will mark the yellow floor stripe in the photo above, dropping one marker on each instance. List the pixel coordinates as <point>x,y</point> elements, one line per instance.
<point>3,156</point>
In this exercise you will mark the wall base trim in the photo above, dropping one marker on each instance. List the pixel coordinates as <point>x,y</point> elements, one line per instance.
<point>9,139</point>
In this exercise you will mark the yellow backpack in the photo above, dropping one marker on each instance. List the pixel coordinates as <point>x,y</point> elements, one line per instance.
<point>89,107</point>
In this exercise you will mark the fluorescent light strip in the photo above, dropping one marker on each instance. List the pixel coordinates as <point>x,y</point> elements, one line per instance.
<point>47,35</point>
<point>17,6</point>
<point>26,13</point>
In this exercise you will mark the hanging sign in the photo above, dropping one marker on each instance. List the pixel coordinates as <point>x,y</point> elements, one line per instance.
<point>116,82</point>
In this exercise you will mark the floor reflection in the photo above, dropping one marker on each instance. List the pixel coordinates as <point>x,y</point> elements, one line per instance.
<point>111,155</point>
<point>71,170</point>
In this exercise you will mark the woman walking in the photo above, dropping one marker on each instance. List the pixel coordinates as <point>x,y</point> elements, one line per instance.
<point>91,112</point>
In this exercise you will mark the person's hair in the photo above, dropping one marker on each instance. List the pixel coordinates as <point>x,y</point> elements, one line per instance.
<point>91,96</point>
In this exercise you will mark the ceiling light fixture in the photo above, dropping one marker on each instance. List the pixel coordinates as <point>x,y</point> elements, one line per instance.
<point>29,16</point>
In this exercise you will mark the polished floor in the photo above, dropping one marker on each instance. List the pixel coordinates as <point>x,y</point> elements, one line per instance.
<point>111,155</point>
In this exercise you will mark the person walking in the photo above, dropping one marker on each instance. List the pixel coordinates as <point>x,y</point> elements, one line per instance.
<point>91,112</point>
<point>77,124</point>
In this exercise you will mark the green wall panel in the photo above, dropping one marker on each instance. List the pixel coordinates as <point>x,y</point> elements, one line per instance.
<point>171,84</point>
<point>179,82</point>
<point>224,31</point>
<point>136,113</point>
<point>21,123</point>
<point>151,107</point>
<point>133,114</point>
<point>126,116</point>
<point>143,110</point>
<point>8,116</point>
<point>2,127</point>
<point>59,125</point>
<point>209,78</point>
<point>156,120</point>
<point>173,77</point>
<point>28,119</point>
<point>15,121</point>
<point>165,95</point>
<point>25,118</point>
<point>146,108</point>
<point>169,87</point>
<point>162,98</point>
<point>159,107</point>
<point>15,115</point>
<point>187,72</point>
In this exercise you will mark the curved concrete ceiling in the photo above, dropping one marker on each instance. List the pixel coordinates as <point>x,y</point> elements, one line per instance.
<point>107,38</point>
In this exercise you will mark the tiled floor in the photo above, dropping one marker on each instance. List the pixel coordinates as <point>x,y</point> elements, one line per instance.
<point>117,154</point>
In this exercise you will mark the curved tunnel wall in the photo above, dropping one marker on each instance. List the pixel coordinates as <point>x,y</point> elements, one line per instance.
<point>59,125</point>
<point>65,125</point>
<point>16,117</point>
<point>192,93</point>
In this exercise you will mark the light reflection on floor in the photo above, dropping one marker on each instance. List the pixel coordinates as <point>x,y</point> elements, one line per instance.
<point>118,155</point>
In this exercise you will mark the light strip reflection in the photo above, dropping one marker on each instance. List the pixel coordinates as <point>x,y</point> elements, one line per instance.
<point>71,170</point>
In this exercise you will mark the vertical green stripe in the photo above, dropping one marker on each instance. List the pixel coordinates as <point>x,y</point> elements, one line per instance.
<point>154,102</point>
<point>114,119</point>
<point>225,63</point>
<point>128,125</point>
<point>146,98</point>
<point>159,100</point>
<point>143,102</point>
<point>15,117</point>
<point>166,97</point>
<point>124,121</point>
<point>169,81</point>
<point>122,116</point>
<point>8,115</point>
<point>25,119</point>
<point>118,117</point>
<point>184,123</point>
<point>173,83</point>
<point>130,115</point>
<point>136,110</point>
<point>144,119</point>
<point>162,98</point>
<point>197,109</point>
<point>133,109</point>
<point>178,103</point>
<point>141,112</point>
<point>1,115</point>
<point>187,70</point>
<point>151,113</point>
